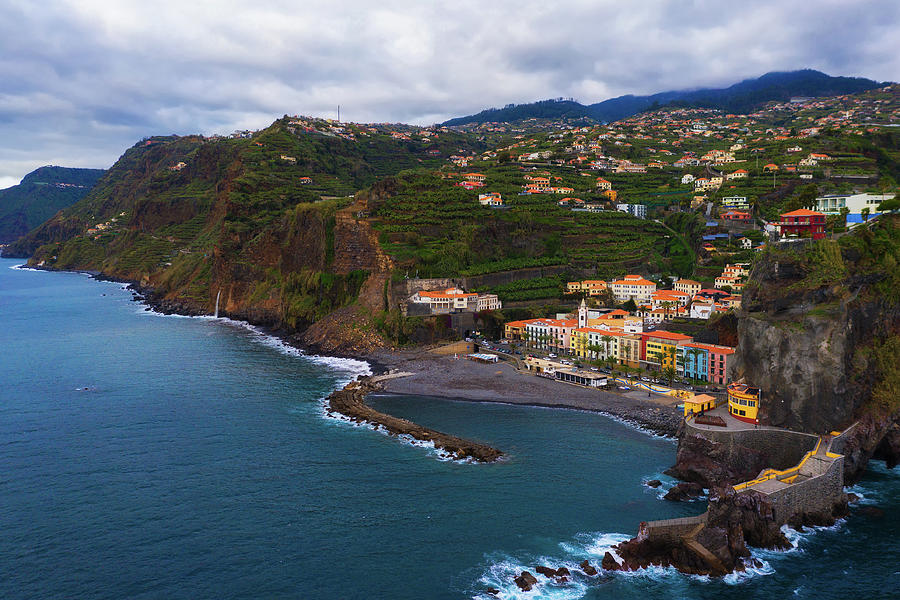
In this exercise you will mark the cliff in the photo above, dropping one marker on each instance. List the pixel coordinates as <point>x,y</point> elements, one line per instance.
<point>266,223</point>
<point>819,333</point>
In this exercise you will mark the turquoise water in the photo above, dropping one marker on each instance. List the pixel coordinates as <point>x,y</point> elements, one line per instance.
<point>198,463</point>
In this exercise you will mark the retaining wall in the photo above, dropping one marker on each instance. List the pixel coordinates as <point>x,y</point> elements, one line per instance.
<point>812,495</point>
<point>781,448</point>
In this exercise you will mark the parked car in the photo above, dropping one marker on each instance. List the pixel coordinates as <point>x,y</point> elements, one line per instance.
<point>647,379</point>
<point>624,387</point>
<point>594,369</point>
<point>551,355</point>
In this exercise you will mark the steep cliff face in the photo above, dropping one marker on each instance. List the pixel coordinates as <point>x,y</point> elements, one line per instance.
<point>818,334</point>
<point>193,219</point>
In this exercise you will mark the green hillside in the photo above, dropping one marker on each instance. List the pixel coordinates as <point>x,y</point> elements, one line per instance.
<point>40,195</point>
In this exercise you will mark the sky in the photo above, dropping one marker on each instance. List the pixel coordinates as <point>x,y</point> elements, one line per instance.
<point>82,80</point>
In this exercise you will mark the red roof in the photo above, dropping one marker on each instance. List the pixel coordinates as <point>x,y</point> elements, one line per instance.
<point>802,212</point>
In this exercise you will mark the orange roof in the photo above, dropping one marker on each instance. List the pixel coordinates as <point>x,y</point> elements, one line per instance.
<point>445,295</point>
<point>715,348</point>
<point>667,335</point>
<point>670,293</point>
<point>688,282</point>
<point>516,323</point>
<point>627,281</point>
<point>615,313</point>
<point>802,212</point>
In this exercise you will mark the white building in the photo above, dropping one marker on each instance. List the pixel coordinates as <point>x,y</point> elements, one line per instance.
<point>702,310</point>
<point>633,287</point>
<point>636,210</point>
<point>735,203</point>
<point>832,204</point>
<point>456,300</point>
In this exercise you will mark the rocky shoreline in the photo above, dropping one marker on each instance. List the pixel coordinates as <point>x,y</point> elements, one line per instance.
<point>350,402</point>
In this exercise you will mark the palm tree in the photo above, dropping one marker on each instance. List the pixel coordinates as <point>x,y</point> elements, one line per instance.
<point>695,354</point>
<point>606,339</point>
<point>844,212</point>
<point>594,349</point>
<point>865,214</point>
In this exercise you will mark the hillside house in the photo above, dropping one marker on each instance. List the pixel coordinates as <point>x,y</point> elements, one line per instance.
<point>803,223</point>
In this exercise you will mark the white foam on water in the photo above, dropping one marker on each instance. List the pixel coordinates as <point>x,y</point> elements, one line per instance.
<point>25,267</point>
<point>592,547</point>
<point>501,575</point>
<point>638,427</point>
<point>403,438</point>
<point>349,368</point>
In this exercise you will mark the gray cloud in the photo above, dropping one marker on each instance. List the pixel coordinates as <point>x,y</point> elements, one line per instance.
<point>81,80</point>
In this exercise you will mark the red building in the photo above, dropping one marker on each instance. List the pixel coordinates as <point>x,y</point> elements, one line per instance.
<point>737,215</point>
<point>802,222</point>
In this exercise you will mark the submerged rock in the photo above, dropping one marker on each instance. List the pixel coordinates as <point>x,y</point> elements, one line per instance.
<point>654,483</point>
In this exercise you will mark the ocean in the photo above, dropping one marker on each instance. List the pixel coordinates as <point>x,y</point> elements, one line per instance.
<point>144,456</point>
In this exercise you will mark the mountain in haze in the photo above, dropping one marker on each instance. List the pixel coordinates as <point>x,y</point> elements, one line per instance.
<point>741,97</point>
<point>41,194</point>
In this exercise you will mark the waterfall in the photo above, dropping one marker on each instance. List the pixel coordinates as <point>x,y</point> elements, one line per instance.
<point>219,293</point>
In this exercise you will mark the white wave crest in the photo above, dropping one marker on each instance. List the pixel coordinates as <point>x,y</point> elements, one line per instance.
<point>349,368</point>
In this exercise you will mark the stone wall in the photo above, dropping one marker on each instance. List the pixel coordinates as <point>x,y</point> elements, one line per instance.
<point>427,285</point>
<point>670,531</point>
<point>782,449</point>
<point>816,495</point>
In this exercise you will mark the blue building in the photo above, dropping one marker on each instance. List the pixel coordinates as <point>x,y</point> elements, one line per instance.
<point>692,360</point>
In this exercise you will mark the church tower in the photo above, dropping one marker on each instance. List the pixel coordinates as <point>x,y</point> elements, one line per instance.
<point>582,314</point>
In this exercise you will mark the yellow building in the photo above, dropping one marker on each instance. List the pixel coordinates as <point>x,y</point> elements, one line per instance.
<point>697,404</point>
<point>661,348</point>
<point>743,402</point>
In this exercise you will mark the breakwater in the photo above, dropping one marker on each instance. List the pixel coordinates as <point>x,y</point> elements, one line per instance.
<point>350,402</point>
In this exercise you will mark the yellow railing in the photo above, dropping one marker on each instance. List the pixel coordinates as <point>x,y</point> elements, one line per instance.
<point>788,474</point>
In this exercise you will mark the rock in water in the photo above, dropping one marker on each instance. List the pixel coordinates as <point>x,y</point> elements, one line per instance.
<point>525,581</point>
<point>609,564</point>
<point>684,491</point>
<point>654,483</point>
<point>545,571</point>
<point>588,568</point>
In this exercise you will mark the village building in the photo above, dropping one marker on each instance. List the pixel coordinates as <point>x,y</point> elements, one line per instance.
<point>633,287</point>
<point>803,223</point>
<point>687,286</point>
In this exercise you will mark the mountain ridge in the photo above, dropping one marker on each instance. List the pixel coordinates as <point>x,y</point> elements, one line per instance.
<point>739,97</point>
<point>40,195</point>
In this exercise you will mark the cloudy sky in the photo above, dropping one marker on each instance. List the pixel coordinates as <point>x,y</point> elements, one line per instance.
<point>82,80</point>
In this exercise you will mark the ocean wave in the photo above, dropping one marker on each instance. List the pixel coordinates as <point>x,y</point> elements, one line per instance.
<point>25,267</point>
<point>503,569</point>
<point>350,368</point>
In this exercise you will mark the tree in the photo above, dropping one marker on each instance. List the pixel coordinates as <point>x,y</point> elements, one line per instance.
<point>669,373</point>
<point>844,212</point>
<point>606,339</point>
<point>865,214</point>
<point>890,205</point>
<point>629,305</point>
<point>594,350</point>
